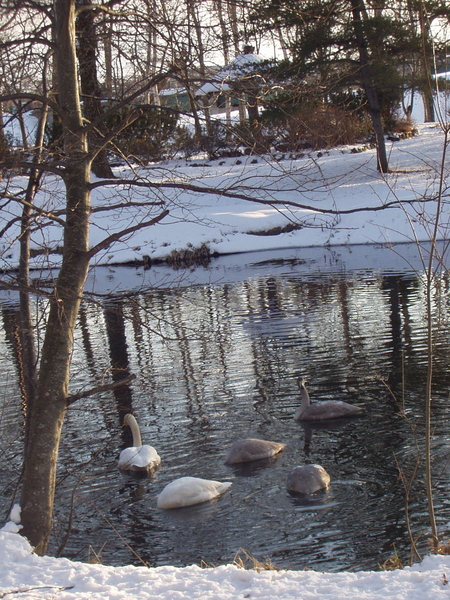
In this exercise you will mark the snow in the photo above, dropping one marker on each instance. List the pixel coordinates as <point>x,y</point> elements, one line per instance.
<point>339,179</point>
<point>28,576</point>
<point>243,65</point>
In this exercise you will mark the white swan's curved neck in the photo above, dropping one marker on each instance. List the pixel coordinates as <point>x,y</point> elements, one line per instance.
<point>133,425</point>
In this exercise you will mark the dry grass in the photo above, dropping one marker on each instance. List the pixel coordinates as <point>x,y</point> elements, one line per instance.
<point>392,563</point>
<point>95,558</point>
<point>444,548</point>
<point>190,256</point>
<point>244,560</point>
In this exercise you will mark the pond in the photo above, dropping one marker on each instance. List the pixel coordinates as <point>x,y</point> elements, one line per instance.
<point>216,353</point>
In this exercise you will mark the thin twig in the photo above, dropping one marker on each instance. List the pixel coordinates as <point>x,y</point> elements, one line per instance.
<point>40,587</point>
<point>119,535</point>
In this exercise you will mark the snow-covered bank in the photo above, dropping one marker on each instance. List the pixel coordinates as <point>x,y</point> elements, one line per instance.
<point>28,576</point>
<point>339,180</point>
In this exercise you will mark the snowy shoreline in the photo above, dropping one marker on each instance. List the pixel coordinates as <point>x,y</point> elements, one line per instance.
<point>338,181</point>
<point>117,279</point>
<point>32,576</point>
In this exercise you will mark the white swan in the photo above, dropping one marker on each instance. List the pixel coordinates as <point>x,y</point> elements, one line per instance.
<point>137,458</point>
<point>307,479</point>
<point>327,409</point>
<point>186,491</point>
<point>252,449</point>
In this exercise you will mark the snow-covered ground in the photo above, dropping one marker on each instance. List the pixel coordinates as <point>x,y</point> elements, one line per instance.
<point>25,575</point>
<point>340,179</point>
<point>310,194</point>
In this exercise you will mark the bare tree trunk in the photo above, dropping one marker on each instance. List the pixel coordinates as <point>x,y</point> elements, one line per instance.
<point>226,56</point>
<point>371,93</point>
<point>23,129</point>
<point>192,10</point>
<point>252,107</point>
<point>184,76</point>
<point>107,49</point>
<point>234,26</point>
<point>27,348</point>
<point>233,23</point>
<point>428,106</point>
<point>283,42</point>
<point>425,70</point>
<point>151,95</point>
<point>47,415</point>
<point>223,31</point>
<point>87,55</point>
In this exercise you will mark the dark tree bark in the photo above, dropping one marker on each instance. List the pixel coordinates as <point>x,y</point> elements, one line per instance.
<point>252,107</point>
<point>428,106</point>
<point>425,68</point>
<point>366,79</point>
<point>90,87</point>
<point>48,412</point>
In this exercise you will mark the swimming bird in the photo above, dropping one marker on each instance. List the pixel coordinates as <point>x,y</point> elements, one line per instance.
<point>187,491</point>
<point>252,449</point>
<point>307,479</point>
<point>137,458</point>
<point>327,409</point>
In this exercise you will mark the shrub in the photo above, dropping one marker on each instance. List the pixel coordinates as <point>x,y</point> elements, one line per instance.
<point>147,137</point>
<point>183,140</point>
<point>255,138</point>
<point>318,126</point>
<point>5,145</point>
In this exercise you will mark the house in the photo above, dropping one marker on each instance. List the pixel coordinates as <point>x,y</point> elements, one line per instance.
<point>176,98</point>
<point>236,84</point>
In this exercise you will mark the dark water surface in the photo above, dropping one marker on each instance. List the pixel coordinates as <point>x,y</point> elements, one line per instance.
<point>217,360</point>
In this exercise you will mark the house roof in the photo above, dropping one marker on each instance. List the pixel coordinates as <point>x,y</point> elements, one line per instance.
<point>240,67</point>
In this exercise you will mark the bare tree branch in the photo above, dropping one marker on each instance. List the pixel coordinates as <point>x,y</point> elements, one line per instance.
<point>230,193</point>
<point>33,98</point>
<point>98,389</point>
<point>118,236</point>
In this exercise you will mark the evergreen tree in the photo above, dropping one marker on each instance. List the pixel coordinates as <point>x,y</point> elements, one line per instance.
<point>342,46</point>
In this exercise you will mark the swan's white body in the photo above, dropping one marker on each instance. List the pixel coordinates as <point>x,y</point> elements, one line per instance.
<point>137,458</point>
<point>252,449</point>
<point>328,409</point>
<point>190,490</point>
<point>307,479</point>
